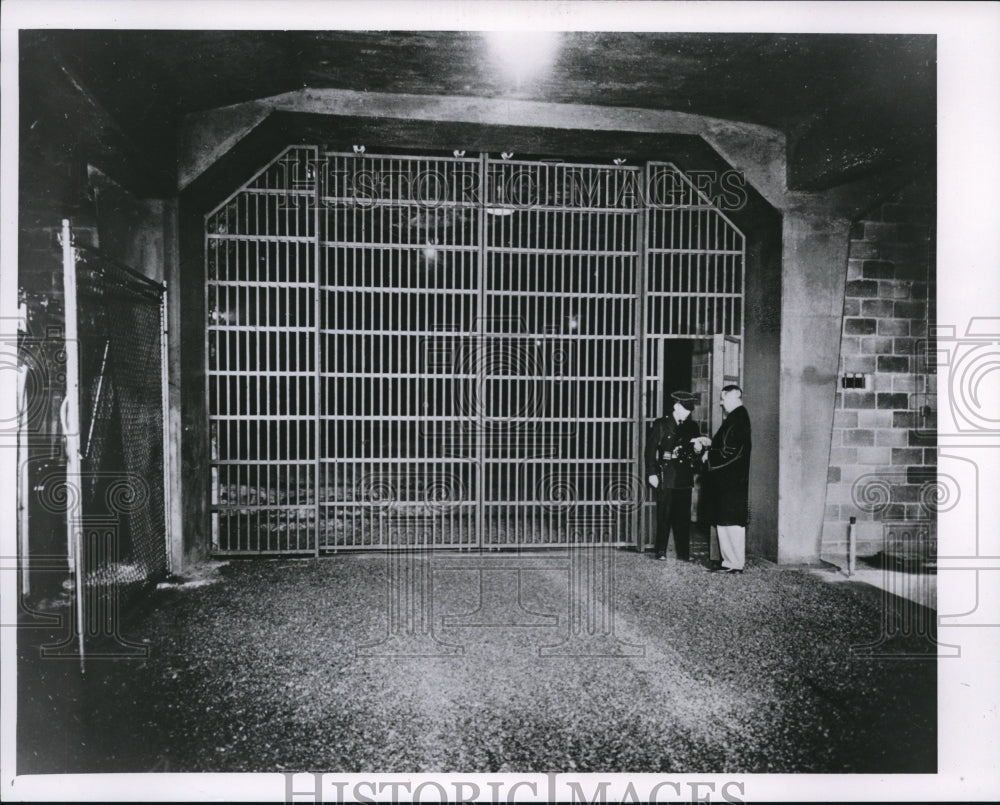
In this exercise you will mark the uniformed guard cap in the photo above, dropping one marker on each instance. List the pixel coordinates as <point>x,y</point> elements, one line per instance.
<point>685,398</point>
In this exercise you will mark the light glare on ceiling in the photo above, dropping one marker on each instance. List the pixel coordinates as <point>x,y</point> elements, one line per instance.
<point>523,55</point>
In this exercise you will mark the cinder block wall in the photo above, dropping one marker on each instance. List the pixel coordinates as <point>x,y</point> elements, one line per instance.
<point>883,444</point>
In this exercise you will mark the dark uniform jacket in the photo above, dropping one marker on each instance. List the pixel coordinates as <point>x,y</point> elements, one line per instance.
<point>728,471</point>
<point>664,436</point>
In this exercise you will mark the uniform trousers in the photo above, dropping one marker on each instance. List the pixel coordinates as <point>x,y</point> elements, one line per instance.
<point>673,511</point>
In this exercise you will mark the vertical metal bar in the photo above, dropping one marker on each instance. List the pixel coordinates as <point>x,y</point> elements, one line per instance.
<point>641,272</point>
<point>24,544</point>
<point>164,417</point>
<point>743,306</point>
<point>254,414</point>
<point>718,287</point>
<point>852,545</point>
<point>213,316</point>
<point>311,363</point>
<point>290,386</point>
<point>392,391</point>
<point>279,384</point>
<point>363,310</point>
<point>242,347</point>
<point>584,401</point>
<point>71,430</point>
<point>701,284</point>
<point>279,365</point>
<point>589,378</point>
<point>568,256</point>
<point>234,339</point>
<point>317,418</point>
<point>480,357</point>
<point>266,377</point>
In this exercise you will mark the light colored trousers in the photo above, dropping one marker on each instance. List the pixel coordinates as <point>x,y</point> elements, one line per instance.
<point>731,540</point>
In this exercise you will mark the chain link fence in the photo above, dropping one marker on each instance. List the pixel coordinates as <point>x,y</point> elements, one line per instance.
<point>120,320</point>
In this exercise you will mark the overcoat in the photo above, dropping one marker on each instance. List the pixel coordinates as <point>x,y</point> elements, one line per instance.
<point>727,475</point>
<point>664,436</point>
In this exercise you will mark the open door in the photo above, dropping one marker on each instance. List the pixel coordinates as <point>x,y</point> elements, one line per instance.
<point>726,367</point>
<point>716,363</point>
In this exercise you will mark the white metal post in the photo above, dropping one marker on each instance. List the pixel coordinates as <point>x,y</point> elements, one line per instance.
<point>852,545</point>
<point>165,424</point>
<point>71,429</point>
<point>22,468</point>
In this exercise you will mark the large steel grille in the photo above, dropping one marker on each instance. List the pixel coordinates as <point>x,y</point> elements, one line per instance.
<point>559,334</point>
<point>263,378</point>
<point>120,319</point>
<point>446,351</point>
<point>400,244</point>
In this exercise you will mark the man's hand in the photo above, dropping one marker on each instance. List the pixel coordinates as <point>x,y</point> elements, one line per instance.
<point>654,481</point>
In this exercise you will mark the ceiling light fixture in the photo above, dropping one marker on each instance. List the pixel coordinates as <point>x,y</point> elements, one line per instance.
<point>523,55</point>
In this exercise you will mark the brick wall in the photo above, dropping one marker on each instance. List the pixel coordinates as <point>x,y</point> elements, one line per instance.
<point>883,446</point>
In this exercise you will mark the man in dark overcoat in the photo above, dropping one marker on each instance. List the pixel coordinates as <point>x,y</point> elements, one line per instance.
<point>726,480</point>
<point>670,462</point>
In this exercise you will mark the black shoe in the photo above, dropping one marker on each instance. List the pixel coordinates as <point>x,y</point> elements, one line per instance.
<point>715,567</point>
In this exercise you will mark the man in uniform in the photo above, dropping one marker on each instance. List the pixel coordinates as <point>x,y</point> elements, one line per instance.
<point>670,462</point>
<point>726,480</point>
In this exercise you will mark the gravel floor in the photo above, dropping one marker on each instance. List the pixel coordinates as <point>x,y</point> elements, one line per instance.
<point>260,671</point>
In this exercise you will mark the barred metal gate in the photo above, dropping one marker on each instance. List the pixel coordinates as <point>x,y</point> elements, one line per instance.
<point>446,351</point>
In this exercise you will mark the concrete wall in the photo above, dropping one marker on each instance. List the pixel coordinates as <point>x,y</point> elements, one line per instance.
<point>193,434</point>
<point>130,229</point>
<point>814,251</point>
<point>761,381</point>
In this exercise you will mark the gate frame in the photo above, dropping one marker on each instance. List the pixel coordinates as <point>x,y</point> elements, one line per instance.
<point>640,341</point>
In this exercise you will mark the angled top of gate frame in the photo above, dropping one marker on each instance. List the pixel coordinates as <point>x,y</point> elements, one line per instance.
<point>708,204</point>
<point>249,184</point>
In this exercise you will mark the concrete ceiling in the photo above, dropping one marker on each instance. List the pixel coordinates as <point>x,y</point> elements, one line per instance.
<point>849,105</point>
